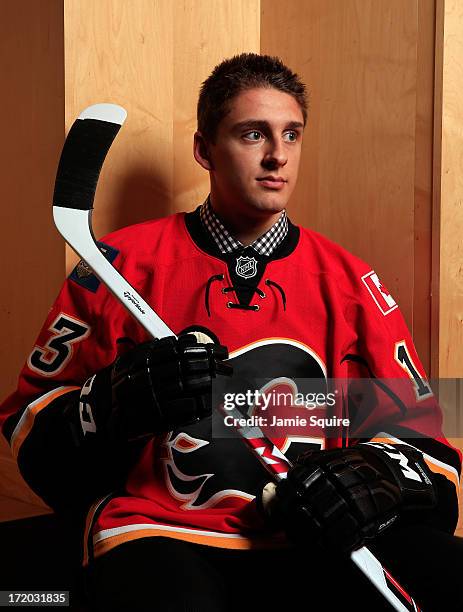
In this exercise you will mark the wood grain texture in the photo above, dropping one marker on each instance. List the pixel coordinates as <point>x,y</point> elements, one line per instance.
<point>14,509</point>
<point>121,51</point>
<point>423,209</point>
<point>31,68</point>
<point>357,181</point>
<point>235,28</point>
<point>436,187</point>
<point>451,196</point>
<point>31,252</point>
<point>150,57</point>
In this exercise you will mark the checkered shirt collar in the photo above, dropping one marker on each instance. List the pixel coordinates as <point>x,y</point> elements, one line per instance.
<point>264,245</point>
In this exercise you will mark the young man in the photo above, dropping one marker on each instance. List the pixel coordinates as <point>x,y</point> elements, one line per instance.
<point>107,423</point>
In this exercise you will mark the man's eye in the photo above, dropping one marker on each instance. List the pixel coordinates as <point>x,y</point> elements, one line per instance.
<point>254,135</point>
<point>291,136</point>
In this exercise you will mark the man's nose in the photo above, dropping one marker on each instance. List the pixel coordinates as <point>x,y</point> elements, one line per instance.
<point>275,154</point>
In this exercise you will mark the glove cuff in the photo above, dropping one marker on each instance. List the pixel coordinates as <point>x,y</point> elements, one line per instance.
<point>404,465</point>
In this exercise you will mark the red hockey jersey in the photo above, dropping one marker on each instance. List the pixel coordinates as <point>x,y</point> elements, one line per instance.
<point>309,312</point>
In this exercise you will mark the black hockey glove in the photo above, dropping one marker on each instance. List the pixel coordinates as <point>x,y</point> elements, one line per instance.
<point>152,388</point>
<point>341,498</point>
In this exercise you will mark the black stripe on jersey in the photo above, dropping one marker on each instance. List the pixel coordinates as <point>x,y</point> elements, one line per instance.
<point>357,359</point>
<point>98,511</point>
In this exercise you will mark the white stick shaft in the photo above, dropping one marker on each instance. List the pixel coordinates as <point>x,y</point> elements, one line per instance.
<point>75,227</point>
<point>371,567</point>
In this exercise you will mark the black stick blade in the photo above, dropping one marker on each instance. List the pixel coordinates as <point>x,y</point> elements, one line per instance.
<point>84,152</point>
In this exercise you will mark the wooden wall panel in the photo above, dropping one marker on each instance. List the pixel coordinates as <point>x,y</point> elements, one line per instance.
<point>423,210</point>
<point>449,179</point>
<point>448,214</point>
<point>121,51</point>
<point>235,25</point>
<point>150,57</point>
<point>31,252</point>
<point>357,183</point>
<point>31,81</point>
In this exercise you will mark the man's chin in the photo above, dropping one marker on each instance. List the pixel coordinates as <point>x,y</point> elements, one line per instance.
<point>271,205</point>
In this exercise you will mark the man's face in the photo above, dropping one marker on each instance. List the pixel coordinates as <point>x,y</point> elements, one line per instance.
<point>255,158</point>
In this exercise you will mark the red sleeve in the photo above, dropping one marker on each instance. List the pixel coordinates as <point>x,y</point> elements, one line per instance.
<point>77,340</point>
<point>71,345</point>
<point>390,397</point>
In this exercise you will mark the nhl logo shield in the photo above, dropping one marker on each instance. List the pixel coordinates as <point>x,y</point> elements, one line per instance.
<point>246,267</point>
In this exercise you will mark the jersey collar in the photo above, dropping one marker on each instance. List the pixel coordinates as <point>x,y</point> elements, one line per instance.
<point>204,239</point>
<point>264,245</point>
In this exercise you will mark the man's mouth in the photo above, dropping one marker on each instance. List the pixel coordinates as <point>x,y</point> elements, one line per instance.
<point>278,179</point>
<point>272,182</point>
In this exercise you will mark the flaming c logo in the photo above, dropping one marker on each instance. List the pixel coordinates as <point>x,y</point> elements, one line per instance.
<point>202,470</point>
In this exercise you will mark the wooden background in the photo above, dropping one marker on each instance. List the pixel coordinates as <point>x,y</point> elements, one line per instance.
<point>31,252</point>
<point>381,171</point>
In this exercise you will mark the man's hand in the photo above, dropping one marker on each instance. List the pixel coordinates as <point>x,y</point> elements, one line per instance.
<point>153,388</point>
<point>342,498</point>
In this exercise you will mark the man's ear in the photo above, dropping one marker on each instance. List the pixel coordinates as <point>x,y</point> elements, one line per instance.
<point>201,151</point>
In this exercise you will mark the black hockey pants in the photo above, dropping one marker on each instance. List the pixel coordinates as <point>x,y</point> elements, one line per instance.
<point>166,575</point>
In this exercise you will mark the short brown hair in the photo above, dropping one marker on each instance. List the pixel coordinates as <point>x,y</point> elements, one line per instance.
<point>237,74</point>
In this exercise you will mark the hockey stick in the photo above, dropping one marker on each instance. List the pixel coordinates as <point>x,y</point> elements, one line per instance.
<point>84,152</point>
<point>278,465</point>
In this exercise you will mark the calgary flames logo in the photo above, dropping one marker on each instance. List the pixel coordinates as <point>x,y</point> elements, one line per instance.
<point>189,488</point>
<point>204,469</point>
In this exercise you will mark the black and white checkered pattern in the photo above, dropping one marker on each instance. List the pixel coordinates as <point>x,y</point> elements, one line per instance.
<point>264,245</point>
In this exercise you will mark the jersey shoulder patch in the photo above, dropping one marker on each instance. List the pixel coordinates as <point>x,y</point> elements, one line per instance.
<point>381,296</point>
<point>83,275</point>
